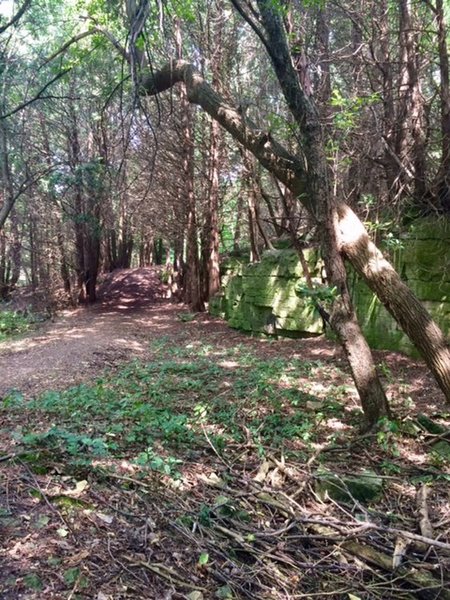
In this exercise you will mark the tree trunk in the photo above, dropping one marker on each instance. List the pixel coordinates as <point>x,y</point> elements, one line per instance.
<point>443,179</point>
<point>192,280</point>
<point>410,146</point>
<point>396,296</point>
<point>16,250</point>
<point>251,208</point>
<point>7,191</point>
<point>238,229</point>
<point>213,257</point>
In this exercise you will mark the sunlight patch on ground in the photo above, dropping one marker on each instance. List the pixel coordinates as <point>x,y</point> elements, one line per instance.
<point>228,364</point>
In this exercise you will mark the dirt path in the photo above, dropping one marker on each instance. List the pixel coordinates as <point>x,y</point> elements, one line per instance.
<point>81,342</point>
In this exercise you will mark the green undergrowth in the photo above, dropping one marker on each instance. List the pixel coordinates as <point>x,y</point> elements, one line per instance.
<point>13,323</point>
<point>188,399</point>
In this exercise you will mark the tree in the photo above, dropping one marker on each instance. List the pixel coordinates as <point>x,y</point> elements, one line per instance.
<point>344,233</point>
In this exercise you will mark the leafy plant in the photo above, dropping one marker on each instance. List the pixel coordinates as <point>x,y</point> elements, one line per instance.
<point>186,317</point>
<point>156,462</point>
<point>14,323</point>
<point>386,435</point>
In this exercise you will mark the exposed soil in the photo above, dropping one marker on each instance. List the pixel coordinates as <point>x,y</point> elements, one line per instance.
<point>119,536</point>
<point>76,345</point>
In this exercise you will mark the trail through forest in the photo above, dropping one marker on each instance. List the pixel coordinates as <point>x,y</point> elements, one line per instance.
<point>188,463</point>
<point>77,344</point>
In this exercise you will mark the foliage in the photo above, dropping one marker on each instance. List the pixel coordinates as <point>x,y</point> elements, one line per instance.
<point>14,323</point>
<point>151,413</point>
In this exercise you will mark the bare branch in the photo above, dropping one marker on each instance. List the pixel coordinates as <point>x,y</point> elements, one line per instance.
<point>117,45</point>
<point>16,17</point>
<point>38,96</point>
<point>249,19</point>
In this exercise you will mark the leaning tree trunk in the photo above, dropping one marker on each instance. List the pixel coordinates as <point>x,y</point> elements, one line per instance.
<point>343,318</point>
<point>396,296</point>
<point>351,233</point>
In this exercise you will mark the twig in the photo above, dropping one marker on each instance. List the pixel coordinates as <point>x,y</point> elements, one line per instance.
<point>165,572</point>
<point>44,496</point>
<point>214,448</point>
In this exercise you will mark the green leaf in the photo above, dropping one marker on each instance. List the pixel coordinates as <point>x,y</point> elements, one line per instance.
<point>221,501</point>
<point>42,521</point>
<point>195,595</point>
<point>62,532</point>
<point>203,559</point>
<point>71,575</point>
<point>33,581</point>
<point>224,593</point>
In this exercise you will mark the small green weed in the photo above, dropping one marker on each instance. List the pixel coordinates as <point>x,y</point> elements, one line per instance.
<point>65,442</point>
<point>186,317</point>
<point>387,436</point>
<point>13,323</point>
<point>165,465</point>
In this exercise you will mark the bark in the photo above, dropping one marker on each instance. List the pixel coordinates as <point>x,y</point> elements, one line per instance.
<point>16,250</point>
<point>252,202</point>
<point>33,250</point>
<point>192,274</point>
<point>64,268</point>
<point>79,209</point>
<point>353,242</point>
<point>4,276</point>
<point>410,145</point>
<point>238,230</point>
<point>192,281</point>
<point>10,275</point>
<point>278,230</point>
<point>7,192</point>
<point>255,195</point>
<point>213,220</point>
<point>88,193</point>
<point>444,92</point>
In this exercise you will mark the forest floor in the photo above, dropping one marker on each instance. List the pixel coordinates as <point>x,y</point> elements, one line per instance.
<point>146,452</point>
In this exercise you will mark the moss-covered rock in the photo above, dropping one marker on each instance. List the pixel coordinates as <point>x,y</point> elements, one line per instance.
<point>431,426</point>
<point>442,450</point>
<point>255,296</point>
<point>365,487</point>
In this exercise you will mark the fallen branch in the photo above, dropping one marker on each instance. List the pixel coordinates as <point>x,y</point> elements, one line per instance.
<point>429,587</point>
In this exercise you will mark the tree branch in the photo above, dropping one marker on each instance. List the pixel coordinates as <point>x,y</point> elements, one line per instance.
<point>272,155</point>
<point>117,45</point>
<point>38,96</point>
<point>240,9</point>
<point>16,17</point>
